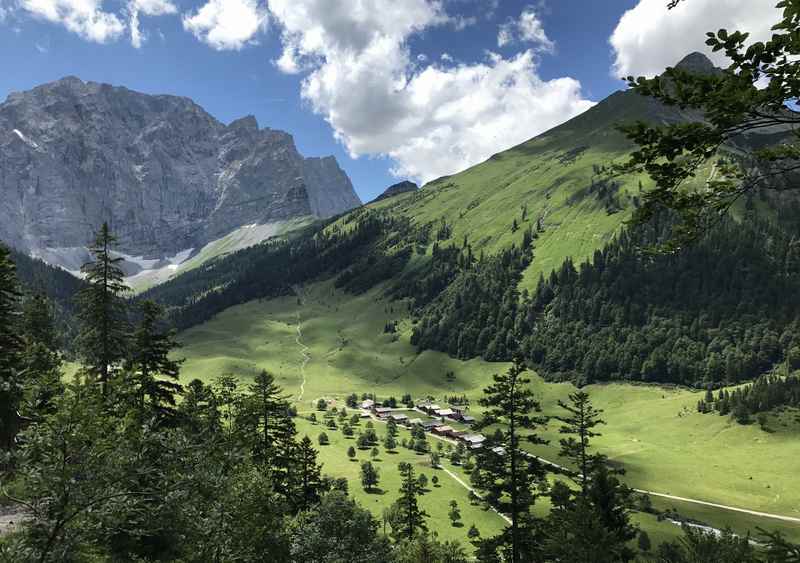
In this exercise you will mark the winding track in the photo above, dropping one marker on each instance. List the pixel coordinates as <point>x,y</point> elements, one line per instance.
<point>303,348</point>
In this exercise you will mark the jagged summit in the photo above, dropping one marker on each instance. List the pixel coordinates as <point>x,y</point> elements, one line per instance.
<point>161,170</point>
<point>697,63</point>
<point>246,122</point>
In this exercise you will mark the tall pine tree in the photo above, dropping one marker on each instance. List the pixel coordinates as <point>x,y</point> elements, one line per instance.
<point>409,518</point>
<point>104,327</point>
<point>307,476</point>
<point>507,474</point>
<point>579,421</point>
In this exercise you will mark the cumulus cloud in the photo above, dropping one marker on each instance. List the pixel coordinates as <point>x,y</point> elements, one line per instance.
<point>648,37</point>
<point>87,18</point>
<point>227,24</point>
<point>432,119</point>
<point>527,29</point>
<point>147,8</point>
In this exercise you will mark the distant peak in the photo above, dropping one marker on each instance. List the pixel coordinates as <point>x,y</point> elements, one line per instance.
<point>246,122</point>
<point>697,63</point>
<point>397,189</point>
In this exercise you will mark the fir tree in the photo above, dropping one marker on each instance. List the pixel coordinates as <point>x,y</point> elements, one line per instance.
<point>307,474</point>
<point>410,517</point>
<point>153,373</point>
<point>582,417</point>
<point>506,474</point>
<point>103,337</point>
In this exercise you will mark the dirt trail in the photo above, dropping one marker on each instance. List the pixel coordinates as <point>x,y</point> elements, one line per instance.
<point>723,506</point>
<point>473,491</point>
<point>304,350</point>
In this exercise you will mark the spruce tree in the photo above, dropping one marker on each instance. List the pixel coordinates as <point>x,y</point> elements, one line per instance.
<point>267,414</point>
<point>271,432</point>
<point>153,373</point>
<point>102,313</point>
<point>506,474</point>
<point>11,346</point>
<point>579,421</point>
<point>410,517</point>
<point>306,475</point>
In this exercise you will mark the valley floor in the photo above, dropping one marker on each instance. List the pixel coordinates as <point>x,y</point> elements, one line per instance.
<point>655,433</point>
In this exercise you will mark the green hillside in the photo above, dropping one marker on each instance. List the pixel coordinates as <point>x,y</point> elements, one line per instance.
<point>655,433</point>
<point>557,176</point>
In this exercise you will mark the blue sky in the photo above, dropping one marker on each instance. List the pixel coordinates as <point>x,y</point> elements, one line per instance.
<point>392,88</point>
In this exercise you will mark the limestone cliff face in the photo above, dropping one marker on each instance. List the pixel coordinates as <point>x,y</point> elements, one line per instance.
<point>164,173</point>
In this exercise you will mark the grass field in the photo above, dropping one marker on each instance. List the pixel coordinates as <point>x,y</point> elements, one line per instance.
<point>436,501</point>
<point>654,433</point>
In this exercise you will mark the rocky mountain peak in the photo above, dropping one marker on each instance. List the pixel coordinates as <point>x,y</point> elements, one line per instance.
<point>163,172</point>
<point>697,63</point>
<point>246,123</point>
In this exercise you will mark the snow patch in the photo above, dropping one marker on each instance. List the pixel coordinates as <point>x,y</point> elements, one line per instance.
<point>25,139</point>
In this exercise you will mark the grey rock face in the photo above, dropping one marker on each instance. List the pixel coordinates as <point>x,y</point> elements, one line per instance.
<point>164,173</point>
<point>697,63</point>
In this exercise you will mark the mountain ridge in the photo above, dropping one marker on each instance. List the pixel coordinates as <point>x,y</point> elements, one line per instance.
<point>161,170</point>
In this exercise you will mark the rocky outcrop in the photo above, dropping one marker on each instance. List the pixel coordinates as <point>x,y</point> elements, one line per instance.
<point>163,172</point>
<point>397,189</point>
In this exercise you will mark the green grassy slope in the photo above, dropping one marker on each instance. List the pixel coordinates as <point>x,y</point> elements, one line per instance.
<point>435,501</point>
<point>551,175</point>
<point>654,433</point>
<point>346,342</point>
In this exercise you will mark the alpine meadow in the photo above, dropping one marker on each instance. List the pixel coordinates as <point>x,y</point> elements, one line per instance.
<point>520,311</point>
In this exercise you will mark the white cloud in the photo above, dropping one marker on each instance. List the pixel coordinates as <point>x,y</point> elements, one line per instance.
<point>648,38</point>
<point>227,24</point>
<point>527,29</point>
<point>84,17</point>
<point>147,8</point>
<point>432,119</point>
